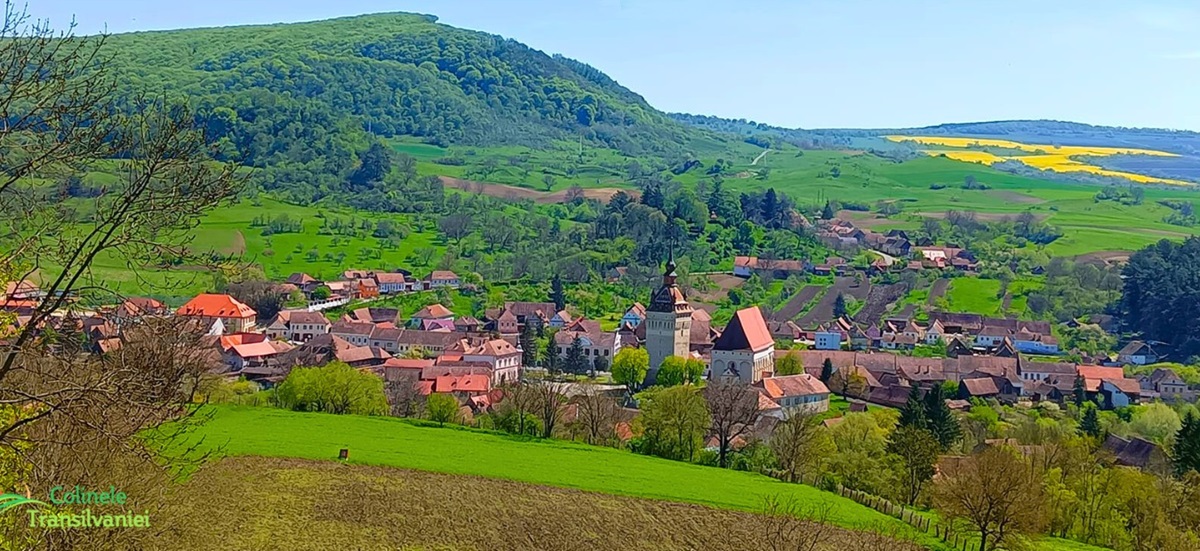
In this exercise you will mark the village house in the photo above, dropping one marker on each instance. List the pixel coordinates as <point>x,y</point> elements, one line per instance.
<point>801,393</point>
<point>1137,353</point>
<point>432,312</point>
<point>297,325</point>
<point>375,315</point>
<point>514,316</point>
<point>428,343</point>
<point>467,324</point>
<point>500,356</point>
<point>326,348</point>
<point>442,278</point>
<point>745,349</point>
<point>1040,371</point>
<point>357,333</point>
<point>827,338</point>
<point>386,336</point>
<point>391,283</point>
<point>208,307</point>
<point>1111,384</point>
<point>561,319</point>
<point>595,344</point>
<point>1165,382</point>
<point>134,308</point>
<point>634,316</point>
<point>1034,343</point>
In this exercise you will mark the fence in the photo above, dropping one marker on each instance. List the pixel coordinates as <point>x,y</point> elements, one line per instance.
<point>327,304</point>
<point>942,531</point>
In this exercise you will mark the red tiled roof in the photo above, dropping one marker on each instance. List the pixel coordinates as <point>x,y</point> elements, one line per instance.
<point>793,385</point>
<point>463,383</point>
<point>384,278</point>
<point>981,387</point>
<point>443,274</point>
<point>1093,374</point>
<point>747,330</point>
<point>255,350</point>
<point>216,306</point>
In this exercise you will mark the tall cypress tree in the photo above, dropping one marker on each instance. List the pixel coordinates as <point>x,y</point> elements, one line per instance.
<point>556,293</point>
<point>913,412</point>
<point>827,371</point>
<point>942,422</point>
<point>576,362</point>
<point>1186,451</point>
<point>550,359</point>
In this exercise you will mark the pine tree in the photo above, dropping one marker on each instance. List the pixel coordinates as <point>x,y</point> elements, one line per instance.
<point>1186,451</point>
<point>576,362</point>
<point>839,306</point>
<point>529,347</point>
<point>942,422</point>
<point>827,212</point>
<point>1090,424</point>
<point>912,414</point>
<point>550,359</point>
<point>827,371</point>
<point>1080,391</point>
<point>557,294</point>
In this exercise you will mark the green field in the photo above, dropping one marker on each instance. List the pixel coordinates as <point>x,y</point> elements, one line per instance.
<point>239,430</point>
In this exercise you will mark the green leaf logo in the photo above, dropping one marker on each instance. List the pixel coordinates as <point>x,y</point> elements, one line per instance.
<point>9,501</point>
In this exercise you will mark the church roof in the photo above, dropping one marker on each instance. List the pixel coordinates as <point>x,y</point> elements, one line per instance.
<point>746,331</point>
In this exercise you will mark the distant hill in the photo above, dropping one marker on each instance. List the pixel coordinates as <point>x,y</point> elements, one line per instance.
<point>295,92</point>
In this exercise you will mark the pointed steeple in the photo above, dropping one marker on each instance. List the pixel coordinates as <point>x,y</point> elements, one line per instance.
<point>669,274</point>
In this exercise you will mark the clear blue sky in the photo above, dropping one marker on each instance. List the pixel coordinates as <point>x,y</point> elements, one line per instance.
<point>836,63</point>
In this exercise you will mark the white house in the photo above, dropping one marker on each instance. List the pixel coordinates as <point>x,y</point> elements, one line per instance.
<point>1034,343</point>
<point>1137,353</point>
<point>442,278</point>
<point>797,393</point>
<point>827,340</point>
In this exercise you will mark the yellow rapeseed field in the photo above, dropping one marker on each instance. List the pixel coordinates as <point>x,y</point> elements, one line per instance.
<point>1043,156</point>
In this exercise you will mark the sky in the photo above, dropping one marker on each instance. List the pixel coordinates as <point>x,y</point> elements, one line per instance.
<point>806,63</point>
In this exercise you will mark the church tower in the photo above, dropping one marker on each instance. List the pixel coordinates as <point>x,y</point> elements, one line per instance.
<point>668,322</point>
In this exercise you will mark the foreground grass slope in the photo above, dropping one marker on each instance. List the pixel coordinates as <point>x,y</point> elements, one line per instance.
<point>238,431</point>
<point>270,503</point>
<point>247,431</point>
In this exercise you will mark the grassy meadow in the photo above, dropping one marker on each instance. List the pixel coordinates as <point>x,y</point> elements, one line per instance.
<point>239,431</point>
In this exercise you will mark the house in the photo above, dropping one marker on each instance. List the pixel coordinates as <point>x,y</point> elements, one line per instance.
<point>991,336</point>
<point>525,313</point>
<point>595,344</point>
<point>375,315</point>
<point>827,339</point>
<point>634,316</point>
<point>1040,371</point>
<point>357,333</point>
<point>390,283</point>
<point>431,312</point>
<point>982,387</point>
<point>744,266</point>
<point>303,281</point>
<point>367,288</point>
<point>209,307</point>
<point>1035,343</point>
<point>386,337</point>
<point>1137,353</point>
<point>297,325</point>
<point>801,393</point>
<point>137,307</point>
<point>1109,383</point>
<point>560,319</point>
<point>254,354</point>
<point>745,349</point>
<point>897,341</point>
<point>500,356</point>
<point>1137,452</point>
<point>1165,382</point>
<point>442,278</point>
<point>468,324</point>
<point>429,343</point>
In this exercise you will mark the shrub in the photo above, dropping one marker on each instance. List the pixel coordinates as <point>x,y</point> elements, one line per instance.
<point>333,388</point>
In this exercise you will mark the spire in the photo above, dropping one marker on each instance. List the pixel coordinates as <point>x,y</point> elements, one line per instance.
<point>669,274</point>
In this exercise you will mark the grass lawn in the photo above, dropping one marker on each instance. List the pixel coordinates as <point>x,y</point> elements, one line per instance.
<point>398,443</point>
<point>973,295</point>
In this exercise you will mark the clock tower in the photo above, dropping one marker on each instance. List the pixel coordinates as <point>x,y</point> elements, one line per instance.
<point>668,322</point>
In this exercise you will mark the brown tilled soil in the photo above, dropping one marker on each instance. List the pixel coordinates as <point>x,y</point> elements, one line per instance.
<point>937,291</point>
<point>505,191</point>
<point>723,283</point>
<point>1104,257</point>
<point>822,312</point>
<point>260,503</point>
<point>796,304</point>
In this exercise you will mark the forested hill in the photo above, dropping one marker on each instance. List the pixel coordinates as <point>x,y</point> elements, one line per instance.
<point>305,91</point>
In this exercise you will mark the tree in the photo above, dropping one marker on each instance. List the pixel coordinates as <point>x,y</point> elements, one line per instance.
<point>376,162</point>
<point>800,444</point>
<point>912,414</point>
<point>827,370</point>
<point>333,388</point>
<point>556,293</point>
<point>630,366</point>
<point>404,395</point>
<point>1080,392</point>
<point>597,417</point>
<point>321,293</point>
<point>839,306</point>
<point>575,362</point>
<point>514,413</point>
<point>674,421</point>
<point>1089,425</point>
<point>550,357</point>
<point>940,420</point>
<point>548,181</point>
<point>788,364</point>
<point>918,452</point>
<point>549,406</point>
<point>676,371</point>
<point>827,211</point>
<point>1156,422</point>
<point>441,408</point>
<point>599,364</point>
<point>529,346</point>
<point>733,407</point>
<point>1186,451</point>
<point>264,297</point>
<point>455,226</point>
<point>994,492</point>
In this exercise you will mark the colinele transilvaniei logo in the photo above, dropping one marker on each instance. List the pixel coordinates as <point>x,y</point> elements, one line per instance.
<point>55,514</point>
